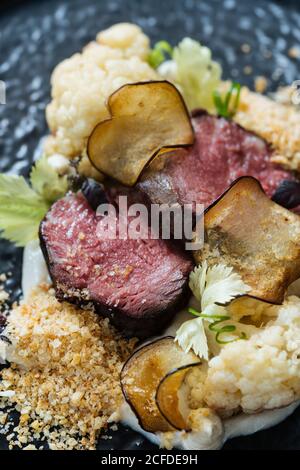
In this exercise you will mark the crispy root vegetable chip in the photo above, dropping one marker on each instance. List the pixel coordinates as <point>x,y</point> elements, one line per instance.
<point>171,397</point>
<point>146,118</point>
<point>142,374</point>
<point>254,235</point>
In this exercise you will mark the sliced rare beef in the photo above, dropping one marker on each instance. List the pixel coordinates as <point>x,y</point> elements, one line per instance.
<point>139,284</point>
<point>223,151</point>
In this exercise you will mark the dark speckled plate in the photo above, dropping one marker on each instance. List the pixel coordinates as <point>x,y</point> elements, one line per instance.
<point>36,35</point>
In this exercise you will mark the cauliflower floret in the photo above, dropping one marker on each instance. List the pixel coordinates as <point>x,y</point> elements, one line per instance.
<point>260,373</point>
<point>127,37</point>
<point>82,84</point>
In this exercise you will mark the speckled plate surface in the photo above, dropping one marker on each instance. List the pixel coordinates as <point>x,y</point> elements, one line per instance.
<point>36,35</point>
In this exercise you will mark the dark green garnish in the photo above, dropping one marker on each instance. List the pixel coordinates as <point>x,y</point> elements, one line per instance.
<point>227,106</point>
<point>216,328</point>
<point>159,53</point>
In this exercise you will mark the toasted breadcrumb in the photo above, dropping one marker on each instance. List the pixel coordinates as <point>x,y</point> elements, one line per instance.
<point>260,84</point>
<point>278,124</point>
<point>65,365</point>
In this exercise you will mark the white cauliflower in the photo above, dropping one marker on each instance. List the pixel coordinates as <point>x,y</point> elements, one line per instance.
<point>260,373</point>
<point>82,84</point>
<point>127,37</point>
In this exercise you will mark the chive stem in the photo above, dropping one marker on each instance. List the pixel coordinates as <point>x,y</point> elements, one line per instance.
<point>215,325</point>
<point>227,107</point>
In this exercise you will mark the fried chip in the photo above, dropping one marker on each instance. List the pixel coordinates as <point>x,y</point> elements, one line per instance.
<point>146,118</point>
<point>254,235</point>
<point>142,374</point>
<point>168,398</point>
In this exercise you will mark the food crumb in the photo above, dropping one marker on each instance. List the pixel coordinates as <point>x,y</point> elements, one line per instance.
<point>247,70</point>
<point>64,371</point>
<point>30,447</point>
<point>294,52</point>
<point>277,123</point>
<point>246,48</point>
<point>3,296</point>
<point>260,84</point>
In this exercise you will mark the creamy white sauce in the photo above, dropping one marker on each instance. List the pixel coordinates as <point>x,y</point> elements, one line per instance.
<point>208,440</point>
<point>242,425</point>
<point>35,272</point>
<point>3,346</point>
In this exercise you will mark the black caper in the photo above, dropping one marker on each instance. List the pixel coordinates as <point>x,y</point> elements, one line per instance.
<point>287,194</point>
<point>75,182</point>
<point>94,193</point>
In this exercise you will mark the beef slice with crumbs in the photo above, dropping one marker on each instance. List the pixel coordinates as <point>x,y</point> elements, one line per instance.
<point>139,284</point>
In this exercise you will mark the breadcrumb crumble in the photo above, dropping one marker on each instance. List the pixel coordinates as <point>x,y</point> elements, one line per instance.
<point>278,124</point>
<point>64,373</point>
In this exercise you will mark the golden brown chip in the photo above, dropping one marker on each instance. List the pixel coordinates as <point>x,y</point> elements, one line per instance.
<point>254,235</point>
<point>146,118</point>
<point>142,374</point>
<point>168,397</point>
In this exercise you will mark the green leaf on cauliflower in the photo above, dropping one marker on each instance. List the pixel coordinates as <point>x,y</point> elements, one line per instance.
<point>47,182</point>
<point>21,210</point>
<point>23,207</point>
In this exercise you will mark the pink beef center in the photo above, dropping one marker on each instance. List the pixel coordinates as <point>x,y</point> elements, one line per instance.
<point>126,274</point>
<point>222,153</point>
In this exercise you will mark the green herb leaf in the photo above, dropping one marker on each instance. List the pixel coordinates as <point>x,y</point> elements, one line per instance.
<point>47,182</point>
<point>227,106</point>
<point>158,54</point>
<point>21,210</point>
